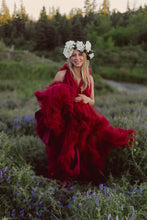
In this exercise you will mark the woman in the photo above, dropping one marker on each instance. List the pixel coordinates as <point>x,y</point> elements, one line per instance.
<point>77,136</point>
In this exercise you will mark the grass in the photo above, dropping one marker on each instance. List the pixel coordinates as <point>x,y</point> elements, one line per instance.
<point>121,64</point>
<point>26,193</point>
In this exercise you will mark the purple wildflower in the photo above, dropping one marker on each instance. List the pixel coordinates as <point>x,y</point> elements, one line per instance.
<point>8,177</point>
<point>109,217</point>
<point>1,174</point>
<point>96,201</point>
<point>19,144</point>
<point>122,207</point>
<point>116,217</point>
<point>15,126</point>
<point>140,190</point>
<point>4,169</point>
<point>101,186</point>
<point>39,214</point>
<point>73,198</point>
<point>89,192</point>
<point>132,209</point>
<point>94,194</point>
<point>13,214</point>
<point>131,189</point>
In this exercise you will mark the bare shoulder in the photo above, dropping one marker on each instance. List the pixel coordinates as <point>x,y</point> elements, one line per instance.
<point>60,75</point>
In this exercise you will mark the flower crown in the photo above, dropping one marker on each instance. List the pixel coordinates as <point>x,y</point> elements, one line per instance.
<point>79,45</point>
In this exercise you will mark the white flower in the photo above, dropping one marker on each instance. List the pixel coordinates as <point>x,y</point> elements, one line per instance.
<point>70,44</point>
<point>67,52</point>
<point>80,46</point>
<point>91,55</point>
<point>88,46</point>
<point>69,47</point>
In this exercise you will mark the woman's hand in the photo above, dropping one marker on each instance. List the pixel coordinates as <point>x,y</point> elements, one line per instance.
<point>84,98</point>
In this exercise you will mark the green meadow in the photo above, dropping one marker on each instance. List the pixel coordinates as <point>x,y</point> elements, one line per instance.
<point>25,190</point>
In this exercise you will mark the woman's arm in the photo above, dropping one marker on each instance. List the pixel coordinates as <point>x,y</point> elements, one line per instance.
<point>92,91</point>
<point>87,100</point>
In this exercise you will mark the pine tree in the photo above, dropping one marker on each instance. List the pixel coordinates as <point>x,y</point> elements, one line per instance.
<point>14,15</point>
<point>52,12</point>
<point>46,35</point>
<point>87,7</point>
<point>128,7</point>
<point>43,14</point>
<point>105,7</point>
<point>94,6</point>
<point>74,12</point>
<point>4,14</point>
<point>23,13</point>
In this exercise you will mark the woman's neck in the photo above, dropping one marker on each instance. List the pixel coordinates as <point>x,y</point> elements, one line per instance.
<point>77,72</point>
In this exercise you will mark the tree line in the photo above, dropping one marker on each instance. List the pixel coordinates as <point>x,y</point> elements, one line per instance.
<point>52,29</point>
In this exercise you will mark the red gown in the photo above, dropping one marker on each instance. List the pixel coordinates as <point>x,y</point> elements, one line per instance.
<point>77,137</point>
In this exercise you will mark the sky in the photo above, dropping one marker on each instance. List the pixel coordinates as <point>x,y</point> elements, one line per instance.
<point>33,7</point>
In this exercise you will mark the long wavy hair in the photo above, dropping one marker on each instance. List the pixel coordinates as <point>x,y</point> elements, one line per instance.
<point>84,71</point>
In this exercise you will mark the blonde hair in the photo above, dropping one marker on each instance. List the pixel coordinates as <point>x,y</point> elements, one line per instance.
<point>84,72</point>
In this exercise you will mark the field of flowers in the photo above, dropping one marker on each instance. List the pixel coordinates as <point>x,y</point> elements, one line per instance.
<point>26,193</point>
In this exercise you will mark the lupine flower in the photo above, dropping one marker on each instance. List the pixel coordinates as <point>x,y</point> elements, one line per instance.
<point>140,190</point>
<point>13,215</point>
<point>15,126</point>
<point>101,186</point>
<point>131,189</point>
<point>8,177</point>
<point>19,144</point>
<point>94,194</point>
<point>132,209</point>
<point>109,217</point>
<point>116,217</point>
<point>39,214</point>
<point>40,202</point>
<point>96,201</point>
<point>1,174</point>
<point>22,212</point>
<point>122,207</point>
<point>89,192</point>
<point>73,198</point>
<point>4,169</point>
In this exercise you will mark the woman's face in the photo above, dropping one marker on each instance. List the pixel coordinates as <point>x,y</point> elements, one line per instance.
<point>77,58</point>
